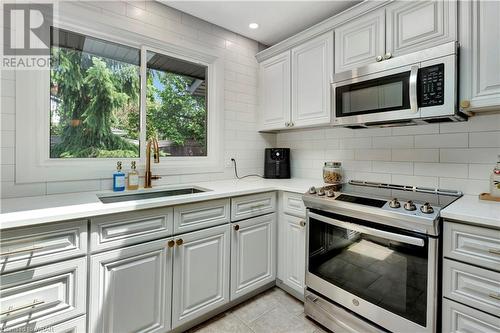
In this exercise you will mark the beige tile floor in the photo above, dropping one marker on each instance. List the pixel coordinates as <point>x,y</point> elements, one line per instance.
<point>273,311</point>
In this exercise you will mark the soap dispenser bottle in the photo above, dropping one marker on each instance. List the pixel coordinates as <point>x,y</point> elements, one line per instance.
<point>118,178</point>
<point>495,180</point>
<point>133,177</point>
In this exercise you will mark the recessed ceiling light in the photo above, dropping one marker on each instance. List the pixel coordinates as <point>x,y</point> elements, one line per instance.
<point>253,25</point>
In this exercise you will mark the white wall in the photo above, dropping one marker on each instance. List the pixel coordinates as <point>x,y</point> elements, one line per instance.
<point>457,156</point>
<point>241,139</point>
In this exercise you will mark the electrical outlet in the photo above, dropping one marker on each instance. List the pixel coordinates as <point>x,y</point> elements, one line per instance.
<point>229,162</point>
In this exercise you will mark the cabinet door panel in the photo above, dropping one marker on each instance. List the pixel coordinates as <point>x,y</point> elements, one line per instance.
<point>253,252</point>
<point>295,252</point>
<point>417,25</point>
<point>201,273</point>
<point>130,289</point>
<point>275,92</point>
<point>479,54</point>
<point>360,41</point>
<point>458,318</point>
<point>312,70</point>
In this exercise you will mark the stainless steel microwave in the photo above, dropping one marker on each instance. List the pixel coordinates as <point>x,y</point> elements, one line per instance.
<point>416,88</point>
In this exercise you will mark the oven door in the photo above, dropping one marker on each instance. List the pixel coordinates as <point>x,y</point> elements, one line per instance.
<point>387,96</point>
<point>386,275</point>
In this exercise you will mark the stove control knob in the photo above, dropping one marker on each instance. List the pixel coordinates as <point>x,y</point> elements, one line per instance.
<point>312,190</point>
<point>409,205</point>
<point>427,208</point>
<point>321,192</point>
<point>330,193</point>
<point>394,203</point>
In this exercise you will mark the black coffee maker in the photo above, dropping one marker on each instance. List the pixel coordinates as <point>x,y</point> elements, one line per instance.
<point>277,163</point>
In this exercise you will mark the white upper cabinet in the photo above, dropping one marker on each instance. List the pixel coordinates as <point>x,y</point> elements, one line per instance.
<point>312,71</point>
<point>201,273</point>
<point>416,25</point>
<point>479,38</point>
<point>275,92</point>
<point>360,41</point>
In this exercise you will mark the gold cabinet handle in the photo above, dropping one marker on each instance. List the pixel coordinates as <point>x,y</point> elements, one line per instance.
<point>179,242</point>
<point>465,104</point>
<point>302,223</point>
<point>495,296</point>
<point>170,243</point>
<point>236,227</point>
<point>22,307</point>
<point>28,249</point>
<point>494,251</point>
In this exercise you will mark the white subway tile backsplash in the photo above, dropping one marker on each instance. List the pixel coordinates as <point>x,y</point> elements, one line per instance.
<point>353,143</point>
<point>393,142</point>
<point>422,181</point>
<point>467,186</point>
<point>7,172</point>
<point>8,138</point>
<point>8,105</point>
<point>441,170</point>
<point>370,132</point>
<point>339,154</point>
<point>481,171</point>
<point>12,190</point>
<point>364,166</point>
<point>7,155</point>
<point>404,168</point>
<point>414,130</point>
<point>415,155</point>
<point>485,123</point>
<point>470,155</point>
<point>457,140</point>
<point>373,154</point>
<point>8,122</point>
<point>484,139</point>
<point>73,186</point>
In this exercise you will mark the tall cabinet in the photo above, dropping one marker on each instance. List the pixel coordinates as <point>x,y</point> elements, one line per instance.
<point>479,36</point>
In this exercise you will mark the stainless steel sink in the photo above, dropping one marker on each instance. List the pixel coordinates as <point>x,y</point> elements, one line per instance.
<point>150,195</point>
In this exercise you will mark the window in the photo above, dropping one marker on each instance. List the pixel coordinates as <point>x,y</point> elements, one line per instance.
<point>94,97</point>
<point>106,94</point>
<point>176,104</point>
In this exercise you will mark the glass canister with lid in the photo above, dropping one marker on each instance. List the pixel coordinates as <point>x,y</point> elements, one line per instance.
<point>332,173</point>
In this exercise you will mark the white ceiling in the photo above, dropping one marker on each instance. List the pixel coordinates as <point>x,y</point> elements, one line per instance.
<point>277,20</point>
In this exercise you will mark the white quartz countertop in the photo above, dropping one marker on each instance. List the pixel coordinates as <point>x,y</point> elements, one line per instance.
<point>471,210</point>
<point>25,211</point>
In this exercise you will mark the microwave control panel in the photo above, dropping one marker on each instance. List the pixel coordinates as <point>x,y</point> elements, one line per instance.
<point>431,85</point>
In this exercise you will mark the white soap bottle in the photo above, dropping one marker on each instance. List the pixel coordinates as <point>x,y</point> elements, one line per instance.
<point>495,180</point>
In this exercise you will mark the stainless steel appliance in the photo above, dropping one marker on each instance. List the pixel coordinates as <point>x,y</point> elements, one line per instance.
<point>416,88</point>
<point>372,256</point>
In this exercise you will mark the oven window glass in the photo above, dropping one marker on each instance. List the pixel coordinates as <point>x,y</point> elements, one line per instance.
<point>388,93</point>
<point>389,274</point>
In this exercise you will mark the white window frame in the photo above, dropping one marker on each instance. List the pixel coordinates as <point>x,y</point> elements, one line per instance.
<point>33,162</point>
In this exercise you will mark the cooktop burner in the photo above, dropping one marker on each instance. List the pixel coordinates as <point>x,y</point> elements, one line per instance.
<point>389,202</point>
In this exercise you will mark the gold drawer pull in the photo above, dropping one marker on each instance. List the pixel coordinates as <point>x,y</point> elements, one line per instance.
<point>179,242</point>
<point>494,251</point>
<point>29,249</point>
<point>22,307</point>
<point>495,296</point>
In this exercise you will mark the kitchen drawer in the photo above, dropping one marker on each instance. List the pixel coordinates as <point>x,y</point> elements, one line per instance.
<point>200,215</point>
<point>77,325</point>
<point>476,287</point>
<point>118,230</point>
<point>293,204</point>
<point>43,296</point>
<point>475,245</point>
<point>458,318</point>
<point>248,206</point>
<point>30,246</point>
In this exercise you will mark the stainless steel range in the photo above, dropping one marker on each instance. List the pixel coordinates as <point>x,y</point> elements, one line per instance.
<point>372,256</point>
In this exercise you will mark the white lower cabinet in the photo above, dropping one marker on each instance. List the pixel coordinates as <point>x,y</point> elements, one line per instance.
<point>292,252</point>
<point>458,318</point>
<point>43,296</point>
<point>201,273</point>
<point>130,289</point>
<point>253,254</point>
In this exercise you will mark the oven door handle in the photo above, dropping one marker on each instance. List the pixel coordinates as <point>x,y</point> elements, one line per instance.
<point>369,231</point>
<point>413,89</point>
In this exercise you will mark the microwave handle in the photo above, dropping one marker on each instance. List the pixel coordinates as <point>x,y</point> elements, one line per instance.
<point>369,231</point>
<point>413,89</point>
